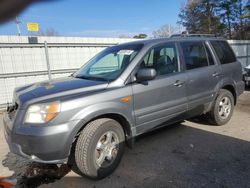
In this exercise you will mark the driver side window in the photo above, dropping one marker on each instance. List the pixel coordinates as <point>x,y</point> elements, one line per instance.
<point>163,59</point>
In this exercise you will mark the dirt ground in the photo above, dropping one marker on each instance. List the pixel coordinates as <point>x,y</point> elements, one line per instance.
<point>190,154</point>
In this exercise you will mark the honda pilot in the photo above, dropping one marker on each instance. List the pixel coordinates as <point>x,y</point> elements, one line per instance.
<point>124,91</point>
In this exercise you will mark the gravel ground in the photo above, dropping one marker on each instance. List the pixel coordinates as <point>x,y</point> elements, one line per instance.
<point>190,154</point>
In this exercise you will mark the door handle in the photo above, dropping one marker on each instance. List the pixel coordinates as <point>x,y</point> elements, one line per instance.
<point>179,83</point>
<point>216,74</point>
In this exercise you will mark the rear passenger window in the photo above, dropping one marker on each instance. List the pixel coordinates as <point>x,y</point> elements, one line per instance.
<point>224,52</point>
<point>194,54</point>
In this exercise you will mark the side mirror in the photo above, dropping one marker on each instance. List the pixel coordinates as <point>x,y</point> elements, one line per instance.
<point>146,74</point>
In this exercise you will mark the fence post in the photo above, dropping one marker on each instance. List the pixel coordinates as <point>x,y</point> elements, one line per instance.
<point>47,59</point>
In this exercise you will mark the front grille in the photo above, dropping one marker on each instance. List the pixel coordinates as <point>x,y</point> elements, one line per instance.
<point>12,109</point>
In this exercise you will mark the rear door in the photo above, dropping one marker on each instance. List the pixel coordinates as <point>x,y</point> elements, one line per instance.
<point>203,74</point>
<point>231,68</point>
<point>164,98</point>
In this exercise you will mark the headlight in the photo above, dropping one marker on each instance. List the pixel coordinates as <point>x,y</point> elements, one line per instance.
<point>42,113</point>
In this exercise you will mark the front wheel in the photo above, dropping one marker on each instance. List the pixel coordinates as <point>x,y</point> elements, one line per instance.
<point>99,148</point>
<point>222,109</point>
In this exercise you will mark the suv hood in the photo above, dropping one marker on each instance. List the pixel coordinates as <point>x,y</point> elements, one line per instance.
<point>57,88</point>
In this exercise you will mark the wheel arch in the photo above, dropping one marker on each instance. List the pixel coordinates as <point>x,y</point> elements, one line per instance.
<point>120,118</point>
<point>231,89</point>
<point>126,125</point>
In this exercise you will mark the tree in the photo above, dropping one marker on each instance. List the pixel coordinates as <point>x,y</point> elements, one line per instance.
<point>242,24</point>
<point>235,14</point>
<point>227,11</point>
<point>188,16</point>
<point>165,31</point>
<point>47,32</point>
<point>210,22</point>
<point>198,16</point>
<point>140,36</point>
<point>230,18</point>
<point>246,17</point>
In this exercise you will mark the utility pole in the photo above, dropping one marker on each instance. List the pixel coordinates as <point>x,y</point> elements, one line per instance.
<point>18,27</point>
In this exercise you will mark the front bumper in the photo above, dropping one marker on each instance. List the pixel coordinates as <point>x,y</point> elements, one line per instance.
<point>48,144</point>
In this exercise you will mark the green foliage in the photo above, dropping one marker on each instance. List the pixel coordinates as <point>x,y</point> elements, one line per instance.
<point>230,18</point>
<point>140,36</point>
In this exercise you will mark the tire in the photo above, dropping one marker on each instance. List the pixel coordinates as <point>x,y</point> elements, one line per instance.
<point>221,115</point>
<point>101,137</point>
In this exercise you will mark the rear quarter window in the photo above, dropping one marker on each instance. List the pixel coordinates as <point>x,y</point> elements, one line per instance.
<point>224,52</point>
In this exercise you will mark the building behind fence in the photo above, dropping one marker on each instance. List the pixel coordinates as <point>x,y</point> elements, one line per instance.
<point>23,61</point>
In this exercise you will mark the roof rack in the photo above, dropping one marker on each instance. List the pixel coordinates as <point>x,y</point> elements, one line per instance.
<point>194,35</point>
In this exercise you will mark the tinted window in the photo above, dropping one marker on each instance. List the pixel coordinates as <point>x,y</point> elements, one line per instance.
<point>194,54</point>
<point>224,52</point>
<point>163,59</point>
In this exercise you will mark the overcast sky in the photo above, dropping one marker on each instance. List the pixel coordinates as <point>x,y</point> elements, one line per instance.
<point>98,18</point>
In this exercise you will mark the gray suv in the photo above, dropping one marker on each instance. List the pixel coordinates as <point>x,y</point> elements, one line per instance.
<point>124,91</point>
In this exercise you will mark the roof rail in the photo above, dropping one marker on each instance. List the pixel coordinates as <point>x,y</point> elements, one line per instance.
<point>194,35</point>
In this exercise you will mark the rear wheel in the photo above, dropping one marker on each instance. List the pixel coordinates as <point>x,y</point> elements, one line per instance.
<point>222,109</point>
<point>99,148</point>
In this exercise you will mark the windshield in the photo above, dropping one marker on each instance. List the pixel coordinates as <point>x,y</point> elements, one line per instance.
<point>109,64</point>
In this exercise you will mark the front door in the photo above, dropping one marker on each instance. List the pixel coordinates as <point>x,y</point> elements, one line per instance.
<point>164,98</point>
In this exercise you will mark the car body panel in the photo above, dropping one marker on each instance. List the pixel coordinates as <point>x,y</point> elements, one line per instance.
<point>202,85</point>
<point>56,89</point>
<point>158,101</point>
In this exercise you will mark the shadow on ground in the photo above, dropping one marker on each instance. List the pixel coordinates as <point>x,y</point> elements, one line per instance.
<point>175,156</point>
<point>247,88</point>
